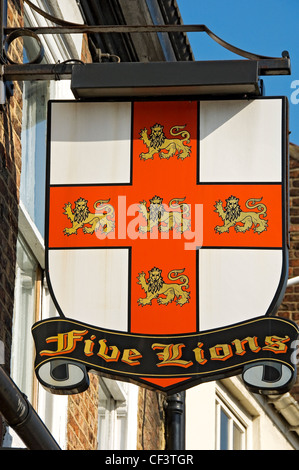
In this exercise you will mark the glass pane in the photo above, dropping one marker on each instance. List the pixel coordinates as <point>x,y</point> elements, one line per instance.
<point>237,438</point>
<point>32,191</point>
<point>120,433</point>
<point>224,422</point>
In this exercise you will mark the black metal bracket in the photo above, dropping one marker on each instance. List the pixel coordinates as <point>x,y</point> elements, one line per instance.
<point>131,29</point>
<point>31,71</point>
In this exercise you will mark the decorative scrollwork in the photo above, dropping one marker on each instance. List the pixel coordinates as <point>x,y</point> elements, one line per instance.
<point>23,33</point>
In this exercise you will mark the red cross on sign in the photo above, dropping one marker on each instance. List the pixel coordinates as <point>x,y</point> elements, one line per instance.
<point>165,219</point>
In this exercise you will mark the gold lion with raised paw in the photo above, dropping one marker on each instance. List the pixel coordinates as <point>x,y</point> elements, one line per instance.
<point>157,142</point>
<point>155,287</point>
<point>232,215</point>
<point>81,216</point>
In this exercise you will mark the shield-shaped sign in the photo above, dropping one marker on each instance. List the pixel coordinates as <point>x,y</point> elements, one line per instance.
<point>166,243</point>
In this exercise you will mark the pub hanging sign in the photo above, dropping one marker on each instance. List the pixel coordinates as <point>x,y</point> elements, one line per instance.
<point>166,244</point>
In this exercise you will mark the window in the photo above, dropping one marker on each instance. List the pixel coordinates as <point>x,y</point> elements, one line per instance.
<point>231,429</point>
<point>112,416</point>
<point>26,298</point>
<point>35,97</point>
<point>117,427</point>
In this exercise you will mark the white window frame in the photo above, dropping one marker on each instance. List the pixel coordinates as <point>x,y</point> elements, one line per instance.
<point>236,416</point>
<point>117,412</point>
<point>26,289</point>
<point>55,45</point>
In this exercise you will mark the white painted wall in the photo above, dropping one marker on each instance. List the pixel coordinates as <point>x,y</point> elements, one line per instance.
<point>200,417</point>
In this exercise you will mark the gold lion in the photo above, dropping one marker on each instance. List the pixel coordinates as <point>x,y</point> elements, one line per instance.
<point>154,287</point>
<point>157,142</point>
<point>82,216</point>
<point>157,215</point>
<point>233,215</point>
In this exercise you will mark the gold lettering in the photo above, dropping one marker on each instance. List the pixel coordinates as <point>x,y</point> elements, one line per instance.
<point>221,352</point>
<point>199,354</point>
<point>240,345</point>
<point>276,344</point>
<point>114,356</point>
<point>131,356</point>
<point>66,342</point>
<point>170,355</point>
<point>89,345</point>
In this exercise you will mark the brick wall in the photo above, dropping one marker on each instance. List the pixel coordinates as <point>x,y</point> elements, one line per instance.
<point>151,420</point>
<point>85,52</point>
<point>289,307</point>
<point>82,428</point>
<point>10,171</point>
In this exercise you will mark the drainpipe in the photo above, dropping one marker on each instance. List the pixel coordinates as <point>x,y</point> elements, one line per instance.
<point>21,417</point>
<point>175,422</point>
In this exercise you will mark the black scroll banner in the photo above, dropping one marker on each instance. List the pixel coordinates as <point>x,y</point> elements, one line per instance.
<point>200,357</point>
